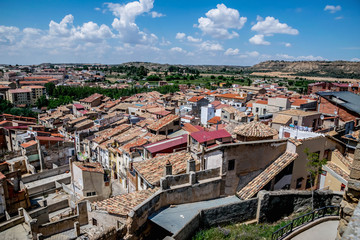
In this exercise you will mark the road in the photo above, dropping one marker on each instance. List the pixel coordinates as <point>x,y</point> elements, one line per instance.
<point>323,231</point>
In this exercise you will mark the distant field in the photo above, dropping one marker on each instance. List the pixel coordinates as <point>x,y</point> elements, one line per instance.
<point>287,75</point>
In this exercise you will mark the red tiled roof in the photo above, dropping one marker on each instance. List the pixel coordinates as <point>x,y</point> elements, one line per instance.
<point>19,90</point>
<point>43,138</point>
<point>214,120</point>
<point>91,98</point>
<point>261,102</point>
<point>203,136</point>
<point>123,204</point>
<point>90,166</point>
<point>255,129</point>
<point>266,176</point>
<point>191,128</point>
<point>298,102</point>
<point>163,122</point>
<point>196,98</point>
<point>28,144</point>
<point>166,144</point>
<point>77,105</point>
<point>2,176</point>
<point>153,169</point>
<point>230,95</point>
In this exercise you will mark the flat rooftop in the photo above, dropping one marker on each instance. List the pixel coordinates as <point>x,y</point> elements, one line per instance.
<point>175,217</point>
<point>47,180</point>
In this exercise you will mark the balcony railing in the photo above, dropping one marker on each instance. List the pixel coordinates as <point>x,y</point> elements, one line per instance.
<point>305,219</point>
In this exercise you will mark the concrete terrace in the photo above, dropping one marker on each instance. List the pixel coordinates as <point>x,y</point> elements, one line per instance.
<point>176,217</point>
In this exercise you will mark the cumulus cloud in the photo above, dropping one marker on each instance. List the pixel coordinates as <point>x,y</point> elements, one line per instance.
<point>156,14</point>
<point>300,58</point>
<point>232,52</point>
<point>192,39</point>
<point>258,39</point>
<point>180,35</point>
<point>8,34</point>
<point>219,21</point>
<point>287,44</point>
<point>178,50</point>
<point>270,26</point>
<point>332,8</point>
<point>355,59</point>
<point>210,46</point>
<point>124,22</point>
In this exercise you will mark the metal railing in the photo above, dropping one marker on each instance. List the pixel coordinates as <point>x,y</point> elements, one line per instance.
<point>305,219</point>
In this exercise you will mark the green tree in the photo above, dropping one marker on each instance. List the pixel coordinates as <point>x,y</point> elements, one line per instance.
<point>314,168</point>
<point>50,87</point>
<point>42,102</point>
<point>153,78</point>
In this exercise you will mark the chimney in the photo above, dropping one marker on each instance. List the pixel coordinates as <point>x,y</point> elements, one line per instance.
<point>168,168</point>
<point>191,166</point>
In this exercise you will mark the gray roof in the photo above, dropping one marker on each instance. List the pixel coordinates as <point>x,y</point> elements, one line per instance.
<point>348,100</point>
<point>174,218</point>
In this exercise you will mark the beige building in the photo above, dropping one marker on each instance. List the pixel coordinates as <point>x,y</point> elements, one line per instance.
<point>297,118</point>
<point>89,181</point>
<point>19,96</point>
<point>36,93</point>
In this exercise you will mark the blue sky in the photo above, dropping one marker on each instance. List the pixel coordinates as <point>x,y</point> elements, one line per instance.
<point>185,32</point>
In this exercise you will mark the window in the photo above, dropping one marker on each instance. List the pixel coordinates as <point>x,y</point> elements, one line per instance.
<point>231,165</point>
<point>94,222</point>
<point>256,109</point>
<point>299,182</point>
<point>88,194</point>
<point>342,187</point>
<point>295,122</point>
<point>264,111</point>
<point>176,123</point>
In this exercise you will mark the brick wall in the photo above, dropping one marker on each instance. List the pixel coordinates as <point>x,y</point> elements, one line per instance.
<point>328,108</point>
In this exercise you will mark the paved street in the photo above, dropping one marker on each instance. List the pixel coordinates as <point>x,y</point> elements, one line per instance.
<point>323,231</point>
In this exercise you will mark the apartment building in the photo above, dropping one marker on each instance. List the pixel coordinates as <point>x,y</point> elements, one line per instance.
<point>19,96</point>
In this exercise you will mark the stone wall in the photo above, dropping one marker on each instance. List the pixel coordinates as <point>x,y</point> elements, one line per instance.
<point>45,174</point>
<point>236,212</point>
<point>352,194</point>
<point>188,193</point>
<point>277,204</point>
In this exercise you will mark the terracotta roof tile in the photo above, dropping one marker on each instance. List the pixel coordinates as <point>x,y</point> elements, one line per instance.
<point>338,170</point>
<point>196,98</point>
<point>90,166</point>
<point>153,169</point>
<point>255,129</point>
<point>254,186</point>
<point>28,144</point>
<point>281,119</point>
<point>163,122</point>
<point>214,120</point>
<point>123,204</point>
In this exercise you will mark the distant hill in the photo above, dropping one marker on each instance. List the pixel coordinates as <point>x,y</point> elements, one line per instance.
<point>340,69</point>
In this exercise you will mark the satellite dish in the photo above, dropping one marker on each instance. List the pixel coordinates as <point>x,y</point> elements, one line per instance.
<point>335,112</point>
<point>322,117</point>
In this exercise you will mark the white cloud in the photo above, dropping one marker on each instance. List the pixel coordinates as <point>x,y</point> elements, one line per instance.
<point>178,50</point>
<point>253,54</point>
<point>164,42</point>
<point>156,14</point>
<point>270,26</point>
<point>332,8</point>
<point>97,9</point>
<point>231,52</point>
<point>287,44</point>
<point>192,39</point>
<point>300,58</point>
<point>258,40</point>
<point>63,28</point>
<point>180,35</point>
<point>8,34</point>
<point>355,59</point>
<point>339,18</point>
<point>125,24</point>
<point>218,21</point>
<point>209,46</point>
